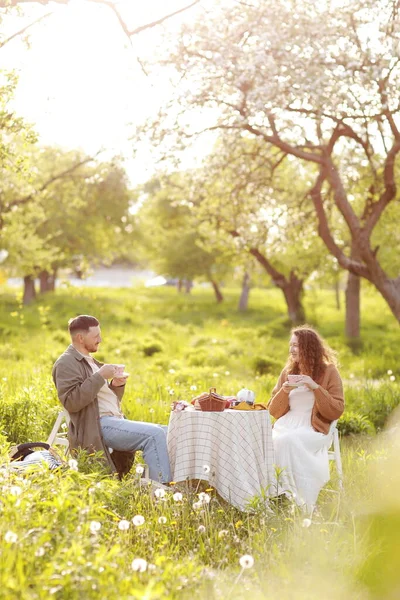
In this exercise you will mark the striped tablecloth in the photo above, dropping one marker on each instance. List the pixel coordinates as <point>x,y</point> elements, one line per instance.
<point>235,445</point>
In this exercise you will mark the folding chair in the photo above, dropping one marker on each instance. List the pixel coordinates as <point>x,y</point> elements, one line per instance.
<point>334,453</point>
<point>59,436</point>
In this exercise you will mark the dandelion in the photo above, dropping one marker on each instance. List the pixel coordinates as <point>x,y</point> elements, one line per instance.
<point>215,375</point>
<point>40,551</point>
<point>15,490</point>
<point>139,470</point>
<point>151,410</point>
<point>171,392</point>
<point>201,529</point>
<point>238,524</point>
<point>178,497</point>
<point>390,372</point>
<point>392,378</point>
<point>172,371</point>
<point>227,372</point>
<point>124,525</point>
<point>4,378</point>
<point>306,523</point>
<point>139,564</point>
<point>223,533</point>
<point>138,520</point>
<point>159,493</point>
<point>246,561</point>
<point>193,388</point>
<point>73,464</point>
<point>204,498</point>
<point>10,537</point>
<point>94,526</point>
<point>162,520</point>
<point>206,469</point>
<point>197,505</point>
<point>64,426</point>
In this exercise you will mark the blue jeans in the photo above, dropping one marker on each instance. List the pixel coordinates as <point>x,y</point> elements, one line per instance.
<point>122,434</point>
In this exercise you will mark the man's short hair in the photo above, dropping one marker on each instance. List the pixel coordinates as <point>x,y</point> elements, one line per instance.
<point>81,323</point>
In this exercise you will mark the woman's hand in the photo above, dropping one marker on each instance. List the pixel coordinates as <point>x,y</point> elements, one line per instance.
<point>308,381</point>
<point>286,387</point>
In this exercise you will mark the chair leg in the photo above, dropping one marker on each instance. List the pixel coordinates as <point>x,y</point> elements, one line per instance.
<point>338,458</point>
<point>56,427</point>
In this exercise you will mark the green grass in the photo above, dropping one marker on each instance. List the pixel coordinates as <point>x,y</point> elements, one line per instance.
<point>194,554</point>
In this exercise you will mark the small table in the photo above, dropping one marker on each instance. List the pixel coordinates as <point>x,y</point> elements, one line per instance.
<point>235,445</point>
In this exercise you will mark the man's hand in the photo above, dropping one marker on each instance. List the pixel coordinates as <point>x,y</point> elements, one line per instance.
<point>107,371</point>
<point>119,381</point>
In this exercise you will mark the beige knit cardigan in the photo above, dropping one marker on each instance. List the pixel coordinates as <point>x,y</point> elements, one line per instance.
<point>328,403</point>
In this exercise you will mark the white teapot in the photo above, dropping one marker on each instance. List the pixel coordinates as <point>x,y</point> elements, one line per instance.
<point>246,395</point>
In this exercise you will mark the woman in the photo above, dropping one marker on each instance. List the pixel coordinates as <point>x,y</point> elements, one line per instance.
<point>304,410</point>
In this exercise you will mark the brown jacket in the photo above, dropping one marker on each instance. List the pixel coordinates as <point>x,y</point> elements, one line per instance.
<point>328,404</point>
<point>77,388</point>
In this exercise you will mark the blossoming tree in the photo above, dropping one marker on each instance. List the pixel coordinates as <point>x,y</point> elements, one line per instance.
<point>317,81</point>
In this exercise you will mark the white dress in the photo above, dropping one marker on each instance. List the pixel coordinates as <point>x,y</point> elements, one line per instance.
<point>300,451</point>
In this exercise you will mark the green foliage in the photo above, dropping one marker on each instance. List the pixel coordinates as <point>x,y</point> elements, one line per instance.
<point>354,423</point>
<point>45,529</point>
<point>265,365</point>
<point>151,348</point>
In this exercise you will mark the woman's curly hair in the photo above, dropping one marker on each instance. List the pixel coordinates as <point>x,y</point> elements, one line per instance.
<point>314,354</point>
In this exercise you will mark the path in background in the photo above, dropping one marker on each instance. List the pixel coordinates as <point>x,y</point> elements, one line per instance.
<point>100,277</point>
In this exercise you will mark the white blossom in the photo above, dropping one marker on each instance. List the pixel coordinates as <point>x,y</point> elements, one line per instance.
<point>94,526</point>
<point>15,490</point>
<point>246,561</point>
<point>204,498</point>
<point>178,497</point>
<point>139,470</point>
<point>123,525</point>
<point>162,520</point>
<point>306,523</point>
<point>10,537</point>
<point>139,564</point>
<point>73,464</point>
<point>138,520</point>
<point>159,493</point>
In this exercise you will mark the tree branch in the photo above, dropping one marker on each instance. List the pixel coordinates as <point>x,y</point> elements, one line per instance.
<point>325,233</point>
<point>389,192</point>
<point>61,175</point>
<point>21,31</point>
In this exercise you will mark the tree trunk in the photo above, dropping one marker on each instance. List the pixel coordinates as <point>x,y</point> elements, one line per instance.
<point>293,292</point>
<point>29,290</point>
<point>337,293</point>
<point>292,288</point>
<point>218,294</point>
<point>179,286</point>
<point>244,296</point>
<point>353,307</point>
<point>188,286</point>
<point>47,281</point>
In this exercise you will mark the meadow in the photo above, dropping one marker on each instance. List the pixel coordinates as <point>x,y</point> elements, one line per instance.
<point>78,534</point>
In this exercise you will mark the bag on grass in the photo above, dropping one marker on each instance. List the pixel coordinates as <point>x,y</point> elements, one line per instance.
<point>32,453</point>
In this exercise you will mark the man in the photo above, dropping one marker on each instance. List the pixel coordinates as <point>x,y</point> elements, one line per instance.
<point>93,404</point>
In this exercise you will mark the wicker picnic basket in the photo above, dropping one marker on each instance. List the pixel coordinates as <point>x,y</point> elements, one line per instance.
<point>211,401</point>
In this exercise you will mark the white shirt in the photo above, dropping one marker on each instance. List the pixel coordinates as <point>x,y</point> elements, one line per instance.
<point>108,401</point>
